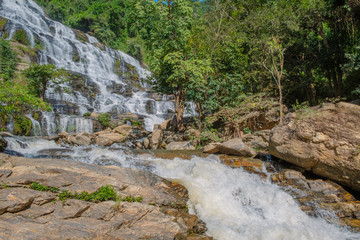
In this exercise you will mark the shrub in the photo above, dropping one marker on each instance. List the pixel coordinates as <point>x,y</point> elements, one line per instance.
<point>22,125</point>
<point>104,120</point>
<point>8,61</point>
<point>42,188</point>
<point>87,114</point>
<point>21,37</point>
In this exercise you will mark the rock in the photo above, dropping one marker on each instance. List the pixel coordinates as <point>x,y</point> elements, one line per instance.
<point>138,145</point>
<point>3,144</point>
<point>123,129</point>
<point>236,147</point>
<point>30,214</point>
<point>317,196</point>
<point>146,143</point>
<point>109,139</point>
<point>63,135</point>
<point>168,125</point>
<point>128,116</point>
<point>258,140</point>
<point>180,146</point>
<point>94,115</point>
<point>81,139</point>
<point>156,137</point>
<point>212,148</point>
<point>106,131</point>
<point>324,140</point>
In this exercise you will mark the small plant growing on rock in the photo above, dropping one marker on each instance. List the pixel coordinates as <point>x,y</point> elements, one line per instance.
<point>136,123</point>
<point>104,120</point>
<point>42,188</point>
<point>87,114</point>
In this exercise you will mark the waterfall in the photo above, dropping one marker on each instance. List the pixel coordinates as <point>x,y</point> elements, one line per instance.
<point>109,74</point>
<point>35,126</point>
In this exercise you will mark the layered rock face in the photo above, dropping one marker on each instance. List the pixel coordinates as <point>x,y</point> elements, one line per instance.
<point>31,214</point>
<point>324,140</point>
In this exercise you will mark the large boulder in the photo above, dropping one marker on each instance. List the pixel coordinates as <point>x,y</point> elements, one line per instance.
<point>324,140</point>
<point>123,129</point>
<point>109,139</point>
<point>156,137</point>
<point>236,147</point>
<point>3,144</point>
<point>180,146</point>
<point>212,148</point>
<point>80,139</point>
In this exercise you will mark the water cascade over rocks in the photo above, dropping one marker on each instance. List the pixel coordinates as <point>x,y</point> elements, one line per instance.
<point>233,203</point>
<point>103,80</point>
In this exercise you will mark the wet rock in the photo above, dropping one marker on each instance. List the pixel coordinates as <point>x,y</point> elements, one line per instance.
<point>123,129</point>
<point>146,143</point>
<point>3,144</point>
<point>109,139</point>
<point>180,146</point>
<point>318,196</point>
<point>81,139</point>
<point>212,148</point>
<point>39,215</point>
<point>128,116</point>
<point>236,147</point>
<point>324,140</point>
<point>63,135</point>
<point>156,137</point>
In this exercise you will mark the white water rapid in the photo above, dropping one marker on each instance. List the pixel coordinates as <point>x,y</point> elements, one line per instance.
<point>234,204</point>
<point>107,84</point>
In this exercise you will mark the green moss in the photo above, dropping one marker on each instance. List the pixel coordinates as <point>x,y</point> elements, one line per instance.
<point>21,37</point>
<point>3,22</point>
<point>104,120</point>
<point>22,125</point>
<point>136,123</point>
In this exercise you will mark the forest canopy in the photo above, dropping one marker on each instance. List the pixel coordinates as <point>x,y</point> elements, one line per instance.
<point>213,52</point>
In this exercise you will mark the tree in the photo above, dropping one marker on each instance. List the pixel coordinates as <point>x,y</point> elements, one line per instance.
<point>8,61</point>
<point>15,99</point>
<point>39,76</point>
<point>276,67</point>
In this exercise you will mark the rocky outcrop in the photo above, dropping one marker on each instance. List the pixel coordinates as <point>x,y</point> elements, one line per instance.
<point>3,144</point>
<point>324,140</point>
<point>258,140</point>
<point>315,196</point>
<point>180,146</point>
<point>31,214</point>
<point>236,147</point>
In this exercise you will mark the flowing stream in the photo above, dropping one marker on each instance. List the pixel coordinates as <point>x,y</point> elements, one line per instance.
<point>233,203</point>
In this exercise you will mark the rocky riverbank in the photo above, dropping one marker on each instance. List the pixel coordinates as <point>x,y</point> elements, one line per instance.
<point>160,210</point>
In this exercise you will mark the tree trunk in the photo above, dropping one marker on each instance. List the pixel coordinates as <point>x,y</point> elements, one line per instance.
<point>280,101</point>
<point>43,90</point>
<point>179,110</point>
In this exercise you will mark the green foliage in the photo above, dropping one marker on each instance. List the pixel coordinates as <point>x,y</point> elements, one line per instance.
<point>246,130</point>
<point>104,193</point>
<point>86,114</point>
<point>104,119</point>
<point>42,188</point>
<point>131,199</point>
<point>22,125</point>
<point>136,123</point>
<point>16,99</point>
<point>39,76</point>
<point>20,36</point>
<point>8,61</point>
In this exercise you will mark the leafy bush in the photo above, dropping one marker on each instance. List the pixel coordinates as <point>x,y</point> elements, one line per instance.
<point>22,125</point>
<point>15,99</point>
<point>21,37</point>
<point>8,61</point>
<point>87,114</point>
<point>136,123</point>
<point>104,193</point>
<point>104,119</point>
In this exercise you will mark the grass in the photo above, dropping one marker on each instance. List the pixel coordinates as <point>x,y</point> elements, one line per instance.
<point>104,193</point>
<point>42,188</point>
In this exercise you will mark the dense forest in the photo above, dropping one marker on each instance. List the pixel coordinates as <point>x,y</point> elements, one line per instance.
<point>218,53</point>
<point>215,51</point>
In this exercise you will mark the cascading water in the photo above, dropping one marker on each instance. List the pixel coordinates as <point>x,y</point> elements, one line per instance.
<point>107,73</point>
<point>234,204</point>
